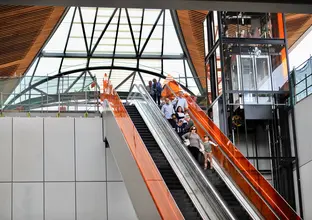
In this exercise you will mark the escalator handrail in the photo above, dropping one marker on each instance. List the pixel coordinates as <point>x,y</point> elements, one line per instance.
<point>239,170</point>
<point>157,112</point>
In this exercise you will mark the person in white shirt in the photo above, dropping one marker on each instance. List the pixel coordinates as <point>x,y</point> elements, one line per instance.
<point>167,110</point>
<point>180,101</point>
<point>180,113</point>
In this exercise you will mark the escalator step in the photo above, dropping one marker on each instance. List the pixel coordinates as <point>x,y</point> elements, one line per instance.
<point>227,195</point>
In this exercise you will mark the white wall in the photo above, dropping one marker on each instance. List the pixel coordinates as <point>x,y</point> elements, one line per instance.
<point>303,118</point>
<point>59,169</point>
<point>301,50</point>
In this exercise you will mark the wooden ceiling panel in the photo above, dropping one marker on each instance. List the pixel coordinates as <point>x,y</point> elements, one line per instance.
<point>23,31</point>
<point>296,25</point>
<point>6,71</point>
<point>191,22</point>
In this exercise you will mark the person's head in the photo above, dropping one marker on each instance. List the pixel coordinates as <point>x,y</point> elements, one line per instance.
<point>193,129</point>
<point>206,138</point>
<point>154,80</point>
<point>150,83</point>
<point>179,109</point>
<point>167,100</point>
<point>180,94</point>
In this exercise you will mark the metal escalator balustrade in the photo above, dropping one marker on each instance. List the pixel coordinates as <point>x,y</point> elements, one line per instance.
<point>260,193</point>
<point>175,187</point>
<point>162,197</point>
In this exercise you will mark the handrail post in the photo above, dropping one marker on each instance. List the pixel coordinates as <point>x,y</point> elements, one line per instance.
<point>86,97</point>
<point>41,102</point>
<point>47,93</point>
<point>59,100</point>
<point>29,100</point>
<point>1,101</point>
<point>96,95</point>
<point>294,85</point>
<point>306,85</point>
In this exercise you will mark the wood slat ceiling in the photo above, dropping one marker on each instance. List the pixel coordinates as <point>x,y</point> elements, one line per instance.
<point>192,29</point>
<point>191,22</point>
<point>23,31</point>
<point>296,25</point>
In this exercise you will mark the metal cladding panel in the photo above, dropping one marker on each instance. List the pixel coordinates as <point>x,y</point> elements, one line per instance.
<point>6,149</point>
<point>258,112</point>
<point>59,149</point>
<point>28,149</point>
<point>90,150</point>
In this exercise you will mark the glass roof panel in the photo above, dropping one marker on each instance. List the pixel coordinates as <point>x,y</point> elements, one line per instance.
<point>154,43</point>
<point>124,43</point>
<point>149,19</point>
<point>91,50</point>
<point>171,41</point>
<point>174,67</point>
<point>150,65</point>
<point>76,41</point>
<point>58,40</point>
<point>136,16</point>
<point>73,64</point>
<point>48,66</point>
<point>96,62</point>
<point>88,16</point>
<point>125,62</point>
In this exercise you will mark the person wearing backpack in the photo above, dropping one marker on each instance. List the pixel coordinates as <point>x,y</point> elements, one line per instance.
<point>156,87</point>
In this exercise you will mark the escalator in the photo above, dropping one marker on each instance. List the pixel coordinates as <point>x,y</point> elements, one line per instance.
<point>227,195</point>
<point>239,175</point>
<point>181,197</point>
<point>175,187</point>
<point>147,117</point>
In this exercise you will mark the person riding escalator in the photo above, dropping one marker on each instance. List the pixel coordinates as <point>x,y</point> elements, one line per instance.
<point>194,144</point>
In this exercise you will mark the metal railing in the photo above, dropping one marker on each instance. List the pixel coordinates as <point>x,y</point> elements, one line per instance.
<point>302,80</point>
<point>63,102</point>
<point>42,93</point>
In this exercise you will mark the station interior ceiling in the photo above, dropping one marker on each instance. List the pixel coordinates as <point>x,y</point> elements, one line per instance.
<point>25,29</point>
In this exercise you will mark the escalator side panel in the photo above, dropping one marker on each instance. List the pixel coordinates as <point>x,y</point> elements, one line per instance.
<point>158,190</point>
<point>140,196</point>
